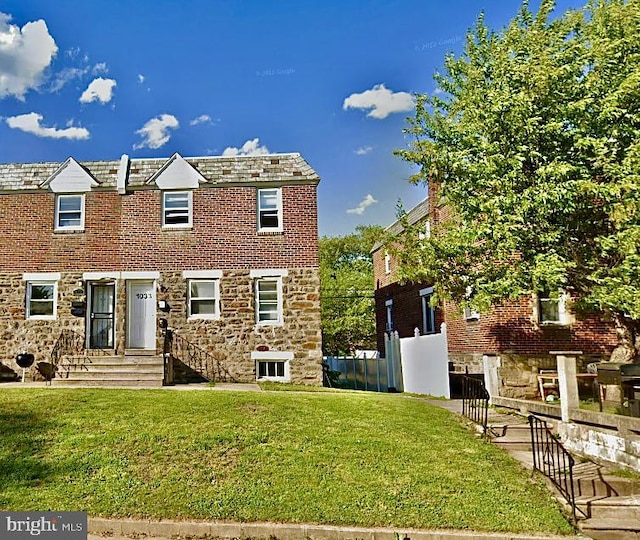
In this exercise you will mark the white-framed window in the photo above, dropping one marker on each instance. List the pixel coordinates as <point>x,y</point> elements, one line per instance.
<point>269,300</point>
<point>270,209</point>
<point>204,298</point>
<point>428,312</point>
<point>389,309</point>
<point>470,314</point>
<point>69,215</point>
<point>41,301</point>
<point>552,310</point>
<point>427,231</point>
<point>387,263</point>
<point>177,209</point>
<point>272,365</point>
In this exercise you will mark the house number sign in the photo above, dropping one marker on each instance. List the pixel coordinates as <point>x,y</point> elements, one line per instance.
<point>144,296</point>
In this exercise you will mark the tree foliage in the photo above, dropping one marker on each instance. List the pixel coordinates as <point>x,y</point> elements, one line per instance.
<point>346,277</point>
<point>533,144</point>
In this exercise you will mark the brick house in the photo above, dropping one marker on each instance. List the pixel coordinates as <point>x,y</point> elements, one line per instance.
<point>521,333</point>
<point>102,260</point>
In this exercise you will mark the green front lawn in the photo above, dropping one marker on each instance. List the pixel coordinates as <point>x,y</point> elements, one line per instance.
<point>353,458</point>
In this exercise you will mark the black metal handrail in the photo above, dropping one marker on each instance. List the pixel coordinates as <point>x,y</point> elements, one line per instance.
<point>553,460</point>
<point>475,401</point>
<point>199,360</point>
<point>68,343</point>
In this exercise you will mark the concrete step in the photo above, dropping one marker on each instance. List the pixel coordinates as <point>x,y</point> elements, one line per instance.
<point>626,507</point>
<point>117,367</point>
<point>111,360</point>
<point>111,375</point>
<point>514,445</point>
<point>108,383</point>
<point>620,528</point>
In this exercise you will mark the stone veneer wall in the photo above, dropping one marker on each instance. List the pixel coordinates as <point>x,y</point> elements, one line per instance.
<point>231,339</point>
<point>235,335</point>
<point>38,337</point>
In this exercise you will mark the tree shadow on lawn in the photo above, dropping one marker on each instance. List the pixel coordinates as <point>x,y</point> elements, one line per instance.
<point>23,447</point>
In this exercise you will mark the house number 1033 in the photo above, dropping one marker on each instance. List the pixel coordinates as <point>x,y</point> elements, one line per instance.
<point>144,296</point>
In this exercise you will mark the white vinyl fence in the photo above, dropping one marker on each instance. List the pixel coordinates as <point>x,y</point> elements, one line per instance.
<point>425,363</point>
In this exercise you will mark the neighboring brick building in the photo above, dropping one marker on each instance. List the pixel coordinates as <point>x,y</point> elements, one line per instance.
<point>222,250</point>
<point>521,333</point>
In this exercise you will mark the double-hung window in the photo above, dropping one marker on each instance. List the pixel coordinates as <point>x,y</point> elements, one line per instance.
<point>69,213</point>
<point>428,313</point>
<point>41,299</point>
<point>270,209</point>
<point>552,310</point>
<point>470,314</point>
<point>268,296</point>
<point>204,298</point>
<point>177,209</point>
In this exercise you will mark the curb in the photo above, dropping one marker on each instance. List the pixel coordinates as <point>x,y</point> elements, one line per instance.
<point>284,531</point>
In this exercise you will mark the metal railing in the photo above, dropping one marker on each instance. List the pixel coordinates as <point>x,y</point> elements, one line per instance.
<point>202,362</point>
<point>552,460</point>
<point>475,401</point>
<point>68,343</point>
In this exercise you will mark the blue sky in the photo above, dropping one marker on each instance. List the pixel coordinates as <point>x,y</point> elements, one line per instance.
<point>332,80</point>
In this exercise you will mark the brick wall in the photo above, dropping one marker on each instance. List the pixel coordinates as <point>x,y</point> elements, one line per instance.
<point>124,232</point>
<point>509,329</point>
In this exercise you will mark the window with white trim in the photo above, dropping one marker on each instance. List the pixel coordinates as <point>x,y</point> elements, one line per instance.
<point>387,263</point>
<point>470,314</point>
<point>204,298</point>
<point>272,365</point>
<point>428,312</point>
<point>41,299</point>
<point>177,209</point>
<point>270,209</point>
<point>552,310</point>
<point>69,215</point>
<point>269,300</point>
<point>389,309</point>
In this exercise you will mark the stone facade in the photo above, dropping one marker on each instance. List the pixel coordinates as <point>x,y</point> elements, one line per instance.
<point>123,241</point>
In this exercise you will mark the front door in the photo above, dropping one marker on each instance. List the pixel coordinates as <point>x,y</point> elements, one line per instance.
<point>141,315</point>
<point>102,303</point>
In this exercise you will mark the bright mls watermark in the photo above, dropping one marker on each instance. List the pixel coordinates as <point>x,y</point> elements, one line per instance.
<point>48,525</point>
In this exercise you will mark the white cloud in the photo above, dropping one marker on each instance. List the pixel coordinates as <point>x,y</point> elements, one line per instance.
<point>155,133</point>
<point>141,78</point>
<point>98,90</point>
<point>100,67</point>
<point>363,150</point>
<point>65,76</point>
<point>380,100</point>
<point>30,123</point>
<point>25,53</point>
<point>364,204</point>
<point>200,120</point>
<point>250,148</point>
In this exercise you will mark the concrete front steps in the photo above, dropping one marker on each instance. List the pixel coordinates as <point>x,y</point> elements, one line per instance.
<point>129,370</point>
<point>608,505</point>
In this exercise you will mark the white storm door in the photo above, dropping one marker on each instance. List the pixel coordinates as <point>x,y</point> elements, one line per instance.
<point>141,315</point>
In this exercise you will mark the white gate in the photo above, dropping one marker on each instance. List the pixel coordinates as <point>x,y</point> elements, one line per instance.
<point>425,363</point>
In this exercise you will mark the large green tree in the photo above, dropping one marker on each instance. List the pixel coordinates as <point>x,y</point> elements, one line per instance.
<point>532,141</point>
<point>346,277</point>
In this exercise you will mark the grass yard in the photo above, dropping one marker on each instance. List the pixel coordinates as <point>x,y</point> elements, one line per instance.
<point>353,458</point>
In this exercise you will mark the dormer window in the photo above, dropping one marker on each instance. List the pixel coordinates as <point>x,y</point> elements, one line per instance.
<point>69,212</point>
<point>177,209</point>
<point>270,209</point>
